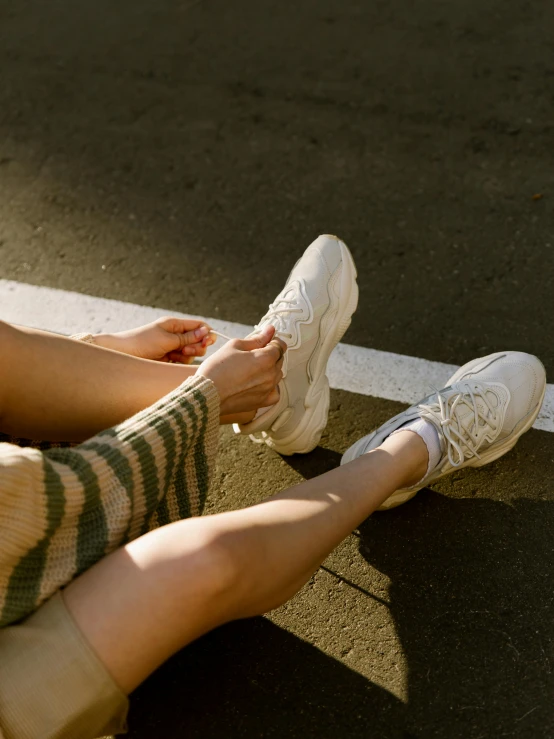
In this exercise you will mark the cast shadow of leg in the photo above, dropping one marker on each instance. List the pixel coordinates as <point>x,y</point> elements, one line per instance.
<point>472,595</point>
<point>253,679</point>
<point>315,463</point>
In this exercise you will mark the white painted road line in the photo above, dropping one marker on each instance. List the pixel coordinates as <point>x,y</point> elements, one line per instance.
<point>353,368</point>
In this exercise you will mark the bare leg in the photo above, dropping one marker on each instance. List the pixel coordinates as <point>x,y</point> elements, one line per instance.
<point>54,388</point>
<point>144,602</point>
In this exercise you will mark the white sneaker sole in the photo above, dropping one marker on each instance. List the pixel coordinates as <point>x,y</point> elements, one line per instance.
<point>495,452</point>
<point>307,434</point>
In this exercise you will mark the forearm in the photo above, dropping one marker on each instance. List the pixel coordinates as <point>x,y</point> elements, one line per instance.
<point>52,387</point>
<point>109,341</point>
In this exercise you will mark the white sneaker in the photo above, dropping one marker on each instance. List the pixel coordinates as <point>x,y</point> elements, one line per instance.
<point>310,315</point>
<point>487,405</point>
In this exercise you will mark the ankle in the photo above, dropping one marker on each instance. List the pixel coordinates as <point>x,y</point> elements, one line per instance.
<point>410,456</point>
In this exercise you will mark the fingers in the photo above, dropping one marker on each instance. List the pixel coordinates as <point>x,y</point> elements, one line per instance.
<point>193,343</point>
<point>256,341</point>
<point>197,350</point>
<point>187,332</point>
<point>193,337</point>
<point>179,325</point>
<point>189,352</point>
<point>247,371</point>
<point>275,350</point>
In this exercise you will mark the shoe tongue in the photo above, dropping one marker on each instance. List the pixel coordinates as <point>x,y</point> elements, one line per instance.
<point>289,293</point>
<point>465,414</point>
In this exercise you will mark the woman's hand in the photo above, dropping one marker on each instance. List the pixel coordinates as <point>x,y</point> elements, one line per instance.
<point>164,340</point>
<point>246,372</point>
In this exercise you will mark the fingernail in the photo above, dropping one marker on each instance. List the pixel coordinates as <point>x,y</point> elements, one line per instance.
<point>202,331</point>
<point>189,350</point>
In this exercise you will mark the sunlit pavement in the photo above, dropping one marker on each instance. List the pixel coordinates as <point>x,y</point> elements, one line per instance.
<point>182,156</point>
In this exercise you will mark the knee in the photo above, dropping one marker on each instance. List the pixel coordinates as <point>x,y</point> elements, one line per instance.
<point>221,564</point>
<point>218,560</point>
<point>247,582</point>
<point>233,563</point>
<point>200,556</point>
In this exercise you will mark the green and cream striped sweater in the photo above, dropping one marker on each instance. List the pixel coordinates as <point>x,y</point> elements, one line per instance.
<point>62,510</point>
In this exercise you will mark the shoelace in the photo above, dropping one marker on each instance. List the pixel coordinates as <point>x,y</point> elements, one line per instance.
<point>445,413</point>
<point>274,312</point>
<point>277,316</point>
<point>219,333</point>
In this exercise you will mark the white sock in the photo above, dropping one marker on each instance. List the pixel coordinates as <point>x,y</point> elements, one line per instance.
<point>427,431</point>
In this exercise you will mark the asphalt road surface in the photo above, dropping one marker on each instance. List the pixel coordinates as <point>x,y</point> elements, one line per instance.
<point>182,155</point>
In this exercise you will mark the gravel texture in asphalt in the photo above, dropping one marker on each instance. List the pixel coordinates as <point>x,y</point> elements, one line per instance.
<point>182,155</point>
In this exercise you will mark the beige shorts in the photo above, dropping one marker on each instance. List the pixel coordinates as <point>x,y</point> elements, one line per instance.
<point>52,684</point>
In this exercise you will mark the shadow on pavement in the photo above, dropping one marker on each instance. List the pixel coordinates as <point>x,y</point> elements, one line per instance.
<point>472,598</point>
<point>316,463</point>
<point>253,679</point>
<point>471,595</point>
<point>145,142</point>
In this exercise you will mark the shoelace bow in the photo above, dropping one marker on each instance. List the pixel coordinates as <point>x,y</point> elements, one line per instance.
<point>445,413</point>
<point>277,315</point>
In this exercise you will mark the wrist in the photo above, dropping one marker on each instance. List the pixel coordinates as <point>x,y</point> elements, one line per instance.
<point>207,375</point>
<point>111,341</point>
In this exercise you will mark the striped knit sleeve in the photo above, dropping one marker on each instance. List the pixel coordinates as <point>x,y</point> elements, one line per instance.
<point>64,509</point>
